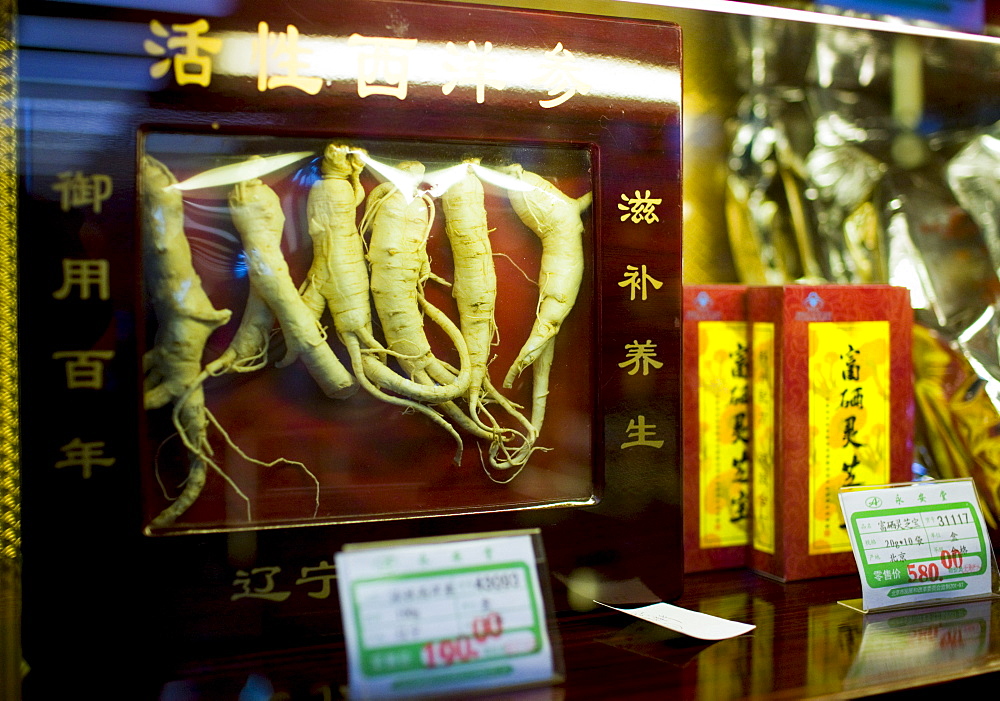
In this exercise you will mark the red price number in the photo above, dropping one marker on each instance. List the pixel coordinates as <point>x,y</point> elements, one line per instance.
<point>444,653</point>
<point>951,559</point>
<point>486,627</point>
<point>953,640</point>
<point>923,573</point>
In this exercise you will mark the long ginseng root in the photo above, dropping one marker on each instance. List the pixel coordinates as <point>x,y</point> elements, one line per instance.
<point>185,319</point>
<point>556,219</point>
<point>400,224</point>
<point>338,252</point>
<point>257,215</point>
<point>338,279</point>
<point>475,288</point>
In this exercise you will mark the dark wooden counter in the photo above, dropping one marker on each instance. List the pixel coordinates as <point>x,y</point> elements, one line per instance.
<point>805,645</point>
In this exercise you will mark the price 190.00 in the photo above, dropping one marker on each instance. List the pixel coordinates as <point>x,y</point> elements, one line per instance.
<point>463,648</point>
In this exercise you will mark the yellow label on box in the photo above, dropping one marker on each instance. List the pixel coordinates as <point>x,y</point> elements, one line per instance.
<point>848,421</point>
<point>724,431</point>
<point>762,347</point>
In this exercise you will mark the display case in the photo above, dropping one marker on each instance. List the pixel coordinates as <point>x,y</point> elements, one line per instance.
<point>193,425</point>
<point>292,279</point>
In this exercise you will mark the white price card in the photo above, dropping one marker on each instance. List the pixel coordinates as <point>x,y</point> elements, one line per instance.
<point>426,617</point>
<point>918,542</point>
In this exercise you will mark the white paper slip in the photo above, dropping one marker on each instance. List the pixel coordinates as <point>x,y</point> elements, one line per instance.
<point>692,623</point>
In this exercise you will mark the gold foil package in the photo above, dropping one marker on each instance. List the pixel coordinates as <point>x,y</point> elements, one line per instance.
<point>850,176</point>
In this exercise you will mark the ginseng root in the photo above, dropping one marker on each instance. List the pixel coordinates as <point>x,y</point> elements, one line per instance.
<point>400,224</point>
<point>185,320</point>
<point>475,288</point>
<point>257,215</point>
<point>338,280</point>
<point>556,219</point>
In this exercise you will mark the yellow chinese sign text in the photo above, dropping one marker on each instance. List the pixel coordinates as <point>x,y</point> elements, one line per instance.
<point>562,77</point>
<point>258,583</point>
<point>322,574</point>
<point>282,50</point>
<point>640,208</point>
<point>316,582</point>
<point>637,280</point>
<point>84,369</point>
<point>192,63</point>
<point>640,357</point>
<point>85,455</point>
<point>383,65</point>
<point>641,433</point>
<point>78,190</point>
<point>474,66</point>
<point>86,275</point>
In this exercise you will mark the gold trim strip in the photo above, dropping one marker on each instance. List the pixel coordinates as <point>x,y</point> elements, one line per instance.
<point>12,666</point>
<point>10,444</point>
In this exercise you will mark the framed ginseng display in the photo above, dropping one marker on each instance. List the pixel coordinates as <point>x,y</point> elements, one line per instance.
<point>394,252</point>
<point>294,277</point>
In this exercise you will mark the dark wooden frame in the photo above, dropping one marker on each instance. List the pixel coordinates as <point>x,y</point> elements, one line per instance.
<point>164,601</point>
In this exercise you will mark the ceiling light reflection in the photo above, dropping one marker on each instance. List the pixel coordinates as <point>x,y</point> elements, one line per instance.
<point>434,63</point>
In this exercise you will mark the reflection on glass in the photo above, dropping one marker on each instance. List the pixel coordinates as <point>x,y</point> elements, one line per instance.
<point>330,324</point>
<point>722,674</point>
<point>833,632</point>
<point>762,647</point>
<point>937,639</point>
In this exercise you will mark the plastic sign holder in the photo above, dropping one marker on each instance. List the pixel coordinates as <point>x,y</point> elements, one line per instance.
<point>440,616</point>
<point>919,544</point>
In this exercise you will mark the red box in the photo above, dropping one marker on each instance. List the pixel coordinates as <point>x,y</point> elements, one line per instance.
<point>716,427</point>
<point>832,405</point>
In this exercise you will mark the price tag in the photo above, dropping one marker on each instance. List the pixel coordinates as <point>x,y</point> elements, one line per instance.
<point>918,542</point>
<point>426,617</point>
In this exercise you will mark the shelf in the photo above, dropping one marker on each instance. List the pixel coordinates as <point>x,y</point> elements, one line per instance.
<point>806,645</point>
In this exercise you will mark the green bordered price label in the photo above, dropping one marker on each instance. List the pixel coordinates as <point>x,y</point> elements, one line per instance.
<point>918,542</point>
<point>427,617</point>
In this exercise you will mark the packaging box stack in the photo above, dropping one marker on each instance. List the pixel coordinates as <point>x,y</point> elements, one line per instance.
<point>716,427</point>
<point>831,404</point>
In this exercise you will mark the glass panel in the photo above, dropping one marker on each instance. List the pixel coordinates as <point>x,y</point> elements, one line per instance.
<point>325,336</point>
